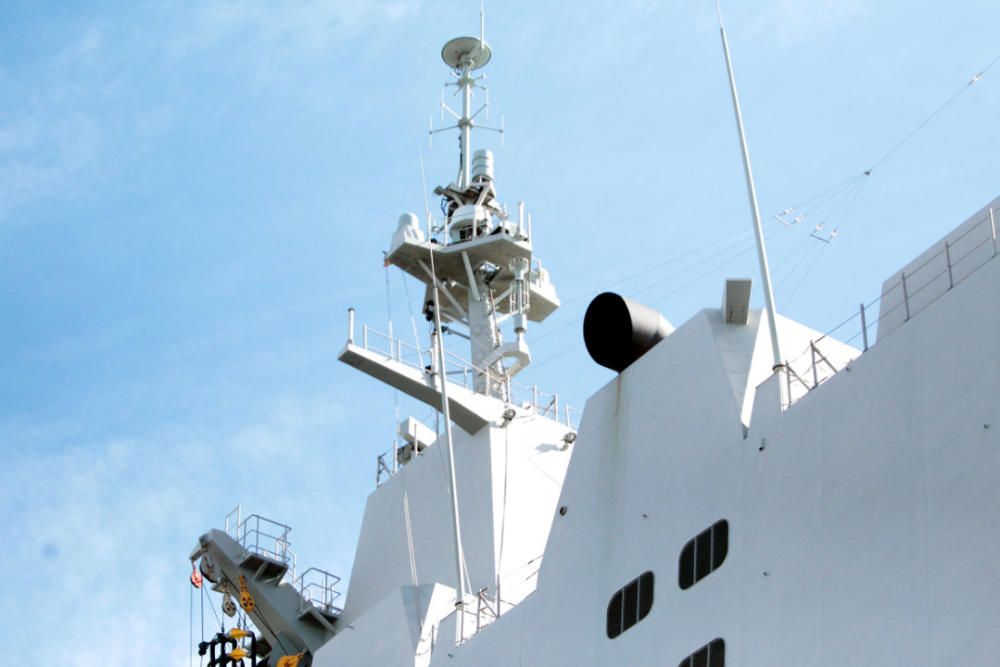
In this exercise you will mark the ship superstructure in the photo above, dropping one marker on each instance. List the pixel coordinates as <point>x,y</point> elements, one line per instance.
<point>716,504</point>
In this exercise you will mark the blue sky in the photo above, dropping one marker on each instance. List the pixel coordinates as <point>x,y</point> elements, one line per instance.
<point>192,195</point>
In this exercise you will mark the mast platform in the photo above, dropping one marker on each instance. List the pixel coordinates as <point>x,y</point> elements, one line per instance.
<point>453,264</point>
<point>471,411</point>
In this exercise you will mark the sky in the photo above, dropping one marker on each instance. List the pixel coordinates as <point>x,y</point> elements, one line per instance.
<point>193,194</point>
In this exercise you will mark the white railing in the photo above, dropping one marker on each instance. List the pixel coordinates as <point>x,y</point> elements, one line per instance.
<point>959,257</point>
<point>487,605</point>
<point>439,229</point>
<point>318,588</point>
<point>264,537</point>
<point>463,373</point>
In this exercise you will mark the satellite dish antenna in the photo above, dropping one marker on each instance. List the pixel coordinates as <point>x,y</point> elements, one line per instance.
<point>462,51</point>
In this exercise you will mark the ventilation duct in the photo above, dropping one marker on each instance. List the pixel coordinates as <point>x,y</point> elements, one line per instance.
<point>617,331</point>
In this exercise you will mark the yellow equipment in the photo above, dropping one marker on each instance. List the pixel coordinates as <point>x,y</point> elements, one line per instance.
<point>238,654</point>
<point>246,600</point>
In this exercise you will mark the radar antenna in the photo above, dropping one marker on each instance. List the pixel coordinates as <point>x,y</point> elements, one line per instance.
<point>464,55</point>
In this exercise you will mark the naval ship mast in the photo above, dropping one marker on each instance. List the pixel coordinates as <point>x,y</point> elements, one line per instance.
<point>476,266</point>
<point>480,261</point>
<point>478,269</point>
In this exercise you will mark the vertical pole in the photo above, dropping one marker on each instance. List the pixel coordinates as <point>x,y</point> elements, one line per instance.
<point>364,336</point>
<point>906,297</point>
<point>520,218</point>
<point>765,272</point>
<point>812,352</point>
<point>466,125</point>
<point>864,327</point>
<point>993,229</point>
<point>452,479</point>
<point>350,325</point>
<point>786,400</point>
<point>393,350</point>
<point>529,228</point>
<point>947,259</point>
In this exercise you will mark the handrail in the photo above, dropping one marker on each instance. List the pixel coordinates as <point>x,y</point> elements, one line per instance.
<point>911,283</point>
<point>318,588</point>
<point>511,392</point>
<point>264,537</point>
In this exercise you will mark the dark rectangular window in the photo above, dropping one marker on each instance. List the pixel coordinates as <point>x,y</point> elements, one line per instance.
<point>685,574</point>
<point>703,555</point>
<point>712,654</point>
<point>630,604</point>
<point>615,615</point>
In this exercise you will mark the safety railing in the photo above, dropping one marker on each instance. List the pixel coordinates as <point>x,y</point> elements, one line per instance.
<point>233,520</point>
<point>318,588</point>
<point>486,605</point>
<point>461,372</point>
<point>439,228</point>
<point>959,257</point>
<point>264,537</point>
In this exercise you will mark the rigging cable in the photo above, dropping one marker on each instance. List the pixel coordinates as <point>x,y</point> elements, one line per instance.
<point>211,605</point>
<point>823,248</point>
<point>675,258</point>
<point>503,513</point>
<point>202,614</point>
<point>845,202</point>
<point>191,625</point>
<point>395,392</point>
<point>660,281</point>
<point>906,139</point>
<point>413,319</point>
<point>847,192</point>
<point>671,293</point>
<point>975,79</point>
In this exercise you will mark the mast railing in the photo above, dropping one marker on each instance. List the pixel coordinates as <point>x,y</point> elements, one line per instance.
<point>463,373</point>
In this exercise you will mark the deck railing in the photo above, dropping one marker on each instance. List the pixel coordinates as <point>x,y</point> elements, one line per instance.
<point>959,257</point>
<point>463,373</point>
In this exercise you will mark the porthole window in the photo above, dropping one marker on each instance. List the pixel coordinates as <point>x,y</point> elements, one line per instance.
<point>712,654</point>
<point>703,555</point>
<point>630,604</point>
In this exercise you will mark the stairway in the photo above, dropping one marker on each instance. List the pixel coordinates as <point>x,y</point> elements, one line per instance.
<point>252,562</point>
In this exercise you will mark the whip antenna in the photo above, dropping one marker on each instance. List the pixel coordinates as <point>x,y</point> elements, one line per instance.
<point>765,272</point>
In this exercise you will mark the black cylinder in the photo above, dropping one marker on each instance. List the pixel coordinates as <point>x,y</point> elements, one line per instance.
<point>617,331</point>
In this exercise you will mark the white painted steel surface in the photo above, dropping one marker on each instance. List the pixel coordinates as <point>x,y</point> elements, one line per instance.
<point>863,518</point>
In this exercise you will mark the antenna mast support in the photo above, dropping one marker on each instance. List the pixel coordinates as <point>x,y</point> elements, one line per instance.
<point>765,272</point>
